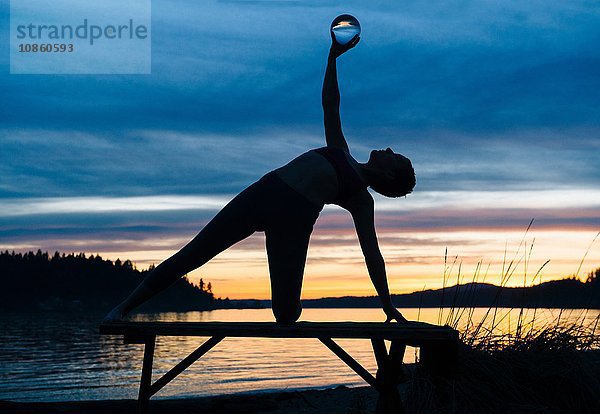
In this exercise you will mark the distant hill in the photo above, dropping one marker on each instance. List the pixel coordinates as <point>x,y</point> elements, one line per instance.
<point>38,281</point>
<point>565,293</point>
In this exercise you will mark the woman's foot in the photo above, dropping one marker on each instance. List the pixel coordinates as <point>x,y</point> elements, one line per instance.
<point>117,314</point>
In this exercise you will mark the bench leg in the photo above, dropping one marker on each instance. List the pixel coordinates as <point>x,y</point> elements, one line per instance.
<point>389,373</point>
<point>440,359</point>
<point>146,380</point>
<point>439,362</point>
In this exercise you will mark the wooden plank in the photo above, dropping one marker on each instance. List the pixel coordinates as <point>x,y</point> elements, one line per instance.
<point>136,339</point>
<point>380,351</point>
<point>395,360</point>
<point>414,334</point>
<point>185,363</point>
<point>146,380</point>
<point>389,366</point>
<point>351,362</point>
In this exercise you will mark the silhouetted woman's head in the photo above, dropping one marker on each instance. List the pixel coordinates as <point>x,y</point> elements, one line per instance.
<point>390,174</point>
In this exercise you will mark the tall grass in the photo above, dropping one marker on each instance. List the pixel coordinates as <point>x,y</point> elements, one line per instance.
<point>535,364</point>
<point>485,333</point>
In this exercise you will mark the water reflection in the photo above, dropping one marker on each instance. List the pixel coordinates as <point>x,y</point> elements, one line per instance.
<point>55,357</point>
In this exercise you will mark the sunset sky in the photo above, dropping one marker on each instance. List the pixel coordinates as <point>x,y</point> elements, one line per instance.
<point>496,103</point>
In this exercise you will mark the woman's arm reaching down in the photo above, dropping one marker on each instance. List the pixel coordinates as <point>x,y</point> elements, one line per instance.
<point>362,210</point>
<point>330,97</point>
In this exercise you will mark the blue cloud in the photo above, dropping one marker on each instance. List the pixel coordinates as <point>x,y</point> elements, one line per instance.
<point>500,95</point>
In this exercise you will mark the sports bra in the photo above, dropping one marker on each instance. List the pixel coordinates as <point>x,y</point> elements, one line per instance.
<point>349,182</point>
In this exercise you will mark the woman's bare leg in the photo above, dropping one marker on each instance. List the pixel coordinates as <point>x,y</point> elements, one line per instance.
<point>287,249</point>
<point>233,223</point>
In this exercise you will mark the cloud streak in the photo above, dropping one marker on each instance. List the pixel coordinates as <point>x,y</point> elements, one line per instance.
<point>433,202</point>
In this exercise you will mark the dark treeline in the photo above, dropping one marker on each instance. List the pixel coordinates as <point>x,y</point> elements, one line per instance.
<point>39,281</point>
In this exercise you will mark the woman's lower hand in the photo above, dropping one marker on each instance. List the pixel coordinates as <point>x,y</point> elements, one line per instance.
<point>393,314</point>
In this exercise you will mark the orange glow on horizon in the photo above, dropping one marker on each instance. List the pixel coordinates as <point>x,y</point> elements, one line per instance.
<point>414,261</point>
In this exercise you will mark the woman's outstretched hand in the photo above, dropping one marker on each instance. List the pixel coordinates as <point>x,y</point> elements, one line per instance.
<point>338,49</point>
<point>393,314</point>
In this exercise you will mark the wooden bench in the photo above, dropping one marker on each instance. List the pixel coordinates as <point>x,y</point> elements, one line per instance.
<point>438,348</point>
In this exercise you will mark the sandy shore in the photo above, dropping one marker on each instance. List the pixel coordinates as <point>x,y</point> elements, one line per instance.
<point>339,400</point>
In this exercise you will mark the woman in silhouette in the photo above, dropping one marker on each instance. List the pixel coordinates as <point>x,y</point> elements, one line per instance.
<point>285,204</point>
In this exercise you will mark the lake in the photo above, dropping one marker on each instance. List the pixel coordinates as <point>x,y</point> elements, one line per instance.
<point>58,357</point>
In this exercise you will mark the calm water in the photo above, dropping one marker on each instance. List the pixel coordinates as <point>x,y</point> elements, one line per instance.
<point>52,358</point>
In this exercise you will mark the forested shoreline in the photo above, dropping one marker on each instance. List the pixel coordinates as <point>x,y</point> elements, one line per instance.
<point>65,282</point>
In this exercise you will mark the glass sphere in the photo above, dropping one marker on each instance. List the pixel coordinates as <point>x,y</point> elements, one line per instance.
<point>344,28</point>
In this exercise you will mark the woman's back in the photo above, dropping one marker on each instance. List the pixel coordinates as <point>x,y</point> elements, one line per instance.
<point>313,175</point>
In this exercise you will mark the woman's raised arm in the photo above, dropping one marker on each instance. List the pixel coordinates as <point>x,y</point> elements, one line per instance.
<point>330,97</point>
